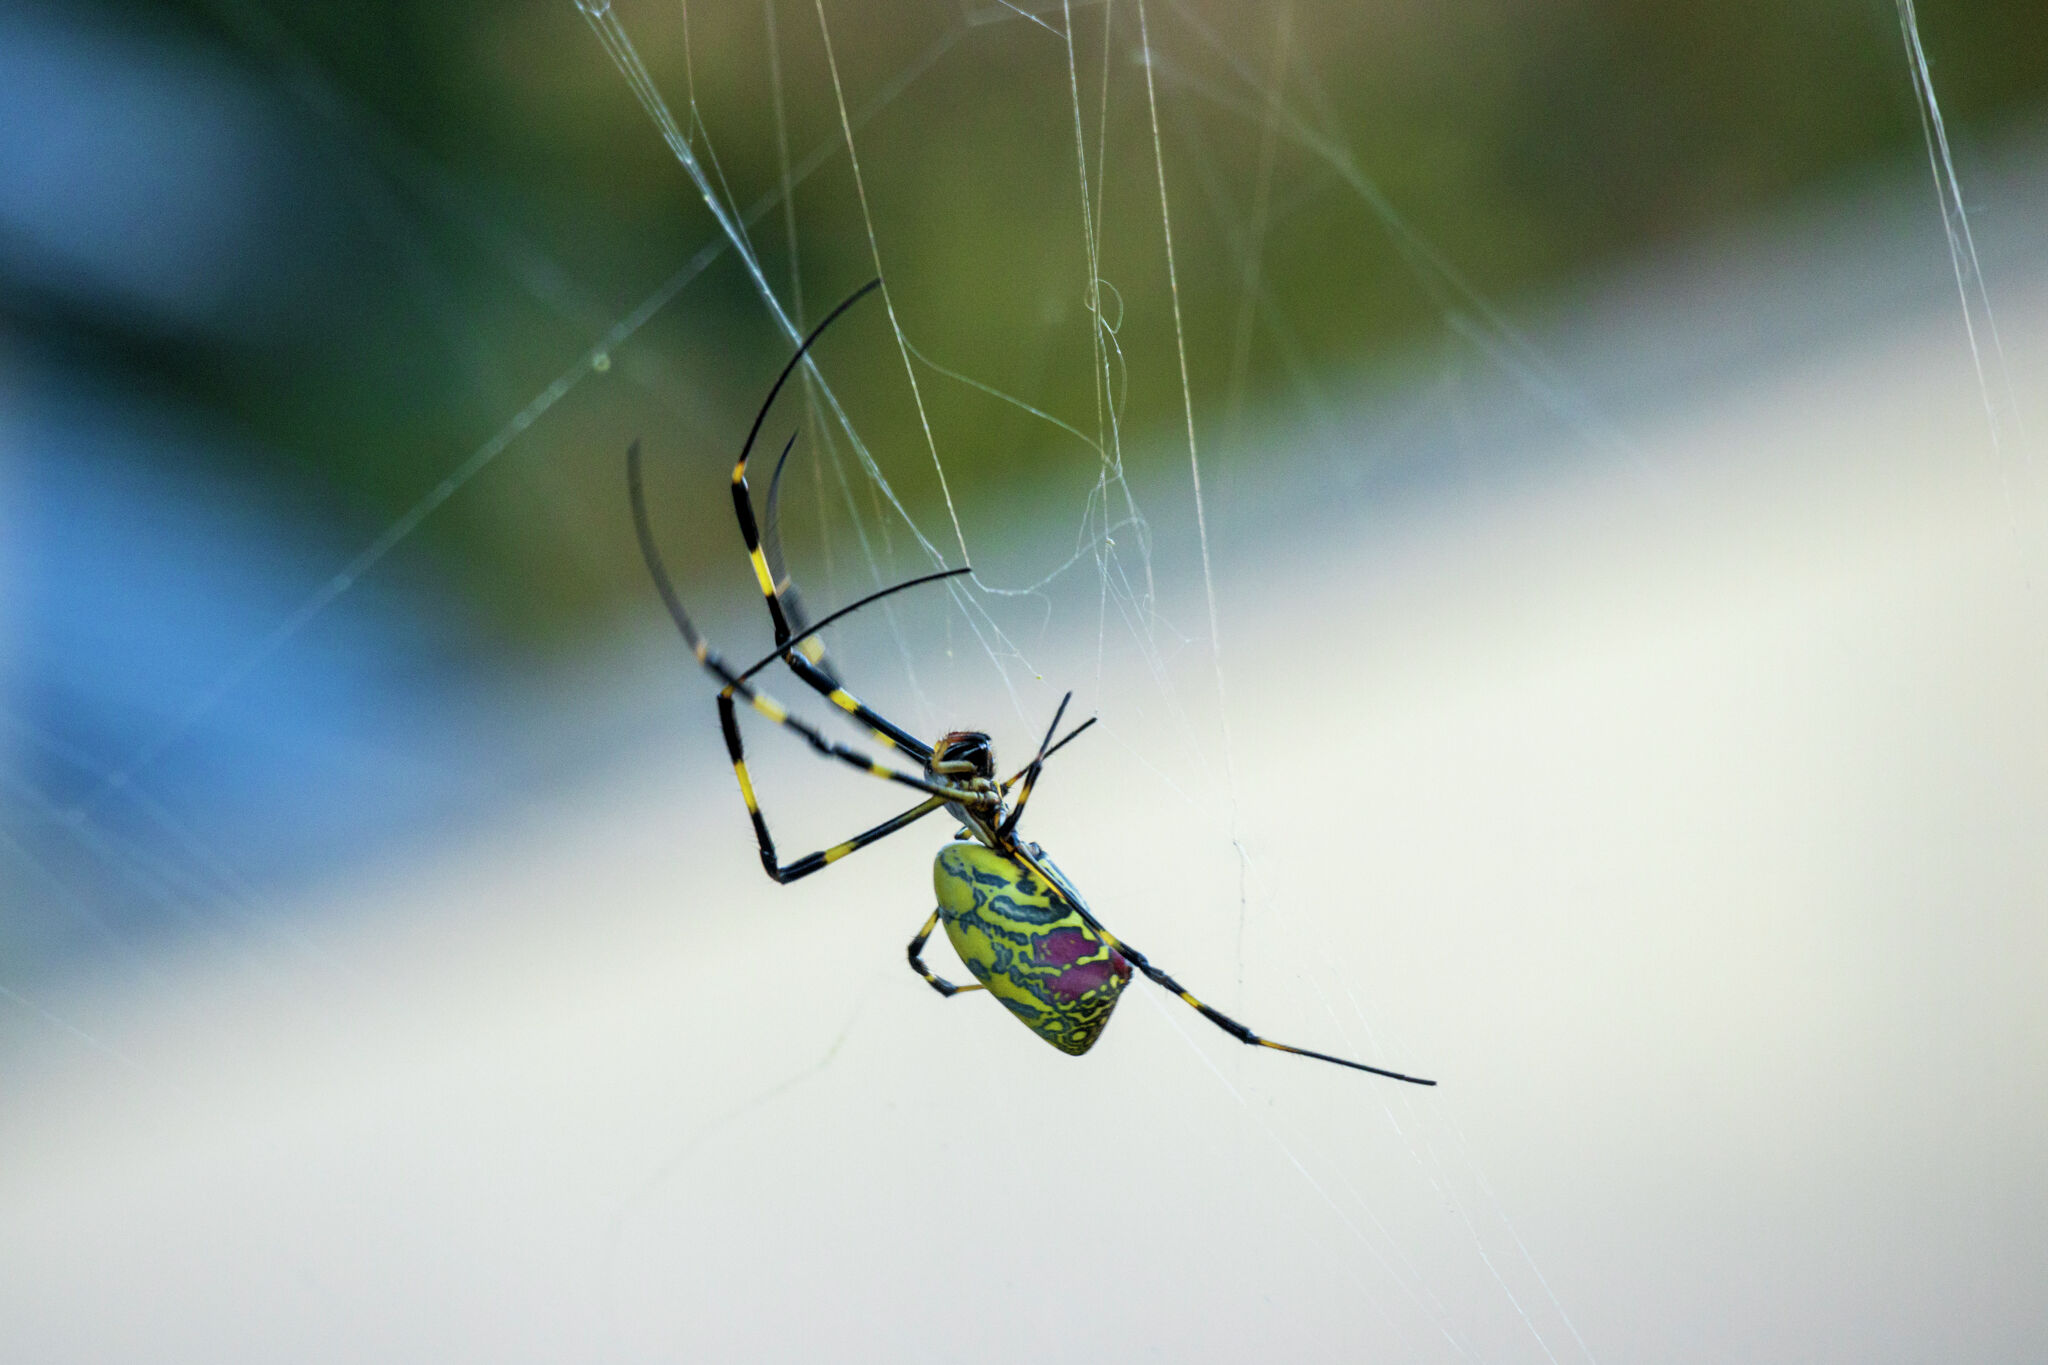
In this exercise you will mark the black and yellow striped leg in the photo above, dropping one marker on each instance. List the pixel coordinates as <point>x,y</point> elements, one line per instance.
<point>931,978</point>
<point>824,858</point>
<point>1014,778</point>
<point>735,683</point>
<point>729,725</point>
<point>1235,1029</point>
<point>1214,1016</point>
<point>1009,824</point>
<point>750,533</point>
<point>811,644</point>
<point>728,720</point>
<point>812,676</point>
<point>736,687</point>
<point>879,725</point>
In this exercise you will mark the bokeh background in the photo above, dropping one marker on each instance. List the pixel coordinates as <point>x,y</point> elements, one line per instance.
<point>1604,670</point>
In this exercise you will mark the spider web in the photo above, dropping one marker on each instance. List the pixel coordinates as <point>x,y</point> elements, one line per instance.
<point>1138,609</point>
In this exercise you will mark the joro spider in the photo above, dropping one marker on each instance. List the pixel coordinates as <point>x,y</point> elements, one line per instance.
<point>1014,918</point>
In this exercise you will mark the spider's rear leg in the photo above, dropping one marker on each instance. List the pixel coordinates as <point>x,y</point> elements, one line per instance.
<point>1031,856</point>
<point>1235,1029</point>
<point>932,979</point>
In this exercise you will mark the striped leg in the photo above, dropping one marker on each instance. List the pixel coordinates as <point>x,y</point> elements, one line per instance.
<point>812,675</point>
<point>936,982</point>
<point>808,659</point>
<point>735,687</point>
<point>809,643</point>
<point>1025,854</point>
<point>1014,778</point>
<point>700,649</point>
<point>729,724</point>
<point>742,503</point>
<point>854,758</point>
<point>1009,824</point>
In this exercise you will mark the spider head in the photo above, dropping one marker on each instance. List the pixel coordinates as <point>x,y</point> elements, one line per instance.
<point>966,759</point>
<point>962,756</point>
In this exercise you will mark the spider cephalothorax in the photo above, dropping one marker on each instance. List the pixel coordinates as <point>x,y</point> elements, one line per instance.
<point>958,747</point>
<point>1017,922</point>
<point>966,759</point>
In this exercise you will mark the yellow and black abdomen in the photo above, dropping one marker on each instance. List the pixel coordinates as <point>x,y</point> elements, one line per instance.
<point>1028,944</point>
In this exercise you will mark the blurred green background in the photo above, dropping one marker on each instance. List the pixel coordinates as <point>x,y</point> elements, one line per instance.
<point>476,197</point>
<point>305,468</point>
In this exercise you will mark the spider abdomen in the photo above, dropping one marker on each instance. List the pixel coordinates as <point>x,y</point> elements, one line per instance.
<point>1025,941</point>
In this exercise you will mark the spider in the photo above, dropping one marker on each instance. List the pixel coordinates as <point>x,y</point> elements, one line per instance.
<point>1013,917</point>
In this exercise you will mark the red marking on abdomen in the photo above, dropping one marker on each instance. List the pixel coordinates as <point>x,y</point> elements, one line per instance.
<point>1063,947</point>
<point>1075,982</point>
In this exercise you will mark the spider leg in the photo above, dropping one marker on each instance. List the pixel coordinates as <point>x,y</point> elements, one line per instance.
<point>744,505</point>
<point>735,683</point>
<point>728,720</point>
<point>965,833</point>
<point>736,688</point>
<point>812,676</point>
<point>1009,824</point>
<point>808,672</point>
<point>729,725</point>
<point>812,645</point>
<point>776,654</point>
<point>936,982</point>
<point>1070,736</point>
<point>1213,1015</point>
